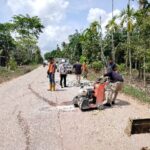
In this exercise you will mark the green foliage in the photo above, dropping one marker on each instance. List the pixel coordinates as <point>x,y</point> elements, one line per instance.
<point>53,54</point>
<point>121,67</point>
<point>23,45</point>
<point>27,26</point>
<point>12,64</point>
<point>137,93</point>
<point>97,65</point>
<point>82,59</point>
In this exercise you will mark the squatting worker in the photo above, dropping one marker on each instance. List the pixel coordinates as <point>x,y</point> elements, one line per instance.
<point>78,71</point>
<point>115,85</point>
<point>63,73</point>
<point>84,70</point>
<point>51,74</point>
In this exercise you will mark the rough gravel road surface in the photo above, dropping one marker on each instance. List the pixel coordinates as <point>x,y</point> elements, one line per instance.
<point>32,118</point>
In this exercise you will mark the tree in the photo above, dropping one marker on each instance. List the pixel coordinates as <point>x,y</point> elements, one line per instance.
<point>28,30</point>
<point>112,27</point>
<point>6,42</point>
<point>90,41</point>
<point>127,16</point>
<point>27,26</point>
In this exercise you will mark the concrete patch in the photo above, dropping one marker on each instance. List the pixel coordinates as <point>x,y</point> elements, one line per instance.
<point>60,108</point>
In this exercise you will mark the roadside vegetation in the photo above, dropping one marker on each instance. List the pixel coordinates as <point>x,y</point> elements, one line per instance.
<point>7,74</point>
<point>136,93</point>
<point>18,41</point>
<point>18,46</point>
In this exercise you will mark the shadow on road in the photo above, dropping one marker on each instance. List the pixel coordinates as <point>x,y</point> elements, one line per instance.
<point>121,102</point>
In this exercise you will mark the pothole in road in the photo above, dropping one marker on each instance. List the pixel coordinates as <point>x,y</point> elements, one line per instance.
<point>138,126</point>
<point>61,108</point>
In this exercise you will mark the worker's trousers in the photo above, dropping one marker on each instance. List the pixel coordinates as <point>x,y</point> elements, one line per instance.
<point>111,91</point>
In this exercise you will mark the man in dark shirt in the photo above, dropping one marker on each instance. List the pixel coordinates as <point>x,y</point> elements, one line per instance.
<point>78,71</point>
<point>115,85</point>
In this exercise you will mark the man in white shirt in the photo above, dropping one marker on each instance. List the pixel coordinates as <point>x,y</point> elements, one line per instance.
<point>63,73</point>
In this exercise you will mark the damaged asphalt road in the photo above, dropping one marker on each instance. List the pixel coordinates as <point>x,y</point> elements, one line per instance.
<point>32,118</point>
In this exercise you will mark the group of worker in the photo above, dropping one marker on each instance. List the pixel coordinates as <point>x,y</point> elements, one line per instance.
<point>116,80</point>
<point>80,69</point>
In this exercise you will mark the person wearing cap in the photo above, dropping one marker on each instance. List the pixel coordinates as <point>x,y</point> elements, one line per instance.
<point>63,73</point>
<point>51,74</point>
<point>115,85</point>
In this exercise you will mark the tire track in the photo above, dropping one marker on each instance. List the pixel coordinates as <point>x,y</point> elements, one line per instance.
<point>25,128</point>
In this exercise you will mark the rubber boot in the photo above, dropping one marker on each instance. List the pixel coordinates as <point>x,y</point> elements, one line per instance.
<point>50,87</point>
<point>53,87</point>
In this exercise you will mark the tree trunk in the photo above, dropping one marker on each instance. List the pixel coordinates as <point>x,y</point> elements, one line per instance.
<point>144,72</point>
<point>113,49</point>
<point>130,58</point>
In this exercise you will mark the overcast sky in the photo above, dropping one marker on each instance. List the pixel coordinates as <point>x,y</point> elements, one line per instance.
<point>61,17</point>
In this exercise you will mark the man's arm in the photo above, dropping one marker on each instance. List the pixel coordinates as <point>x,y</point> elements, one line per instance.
<point>107,74</point>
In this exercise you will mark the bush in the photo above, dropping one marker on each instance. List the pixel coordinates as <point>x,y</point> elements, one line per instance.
<point>82,59</point>
<point>12,64</point>
<point>121,67</point>
<point>97,65</point>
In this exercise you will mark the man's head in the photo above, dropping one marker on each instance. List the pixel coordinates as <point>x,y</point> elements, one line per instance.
<point>111,60</point>
<point>51,60</point>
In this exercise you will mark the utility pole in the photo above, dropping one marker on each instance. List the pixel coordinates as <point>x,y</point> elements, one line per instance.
<point>112,36</point>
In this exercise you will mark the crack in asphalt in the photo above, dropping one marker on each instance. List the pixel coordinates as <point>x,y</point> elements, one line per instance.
<point>25,128</point>
<point>41,97</point>
<point>51,103</point>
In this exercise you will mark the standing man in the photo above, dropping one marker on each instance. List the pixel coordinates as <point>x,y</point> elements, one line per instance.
<point>78,71</point>
<point>63,73</point>
<point>51,74</point>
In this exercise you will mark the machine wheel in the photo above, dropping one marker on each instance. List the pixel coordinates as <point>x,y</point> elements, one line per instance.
<point>83,103</point>
<point>75,101</point>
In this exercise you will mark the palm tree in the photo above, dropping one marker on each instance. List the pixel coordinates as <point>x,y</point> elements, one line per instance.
<point>112,27</point>
<point>127,16</point>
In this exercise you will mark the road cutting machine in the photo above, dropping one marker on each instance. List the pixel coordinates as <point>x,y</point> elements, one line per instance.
<point>91,96</point>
